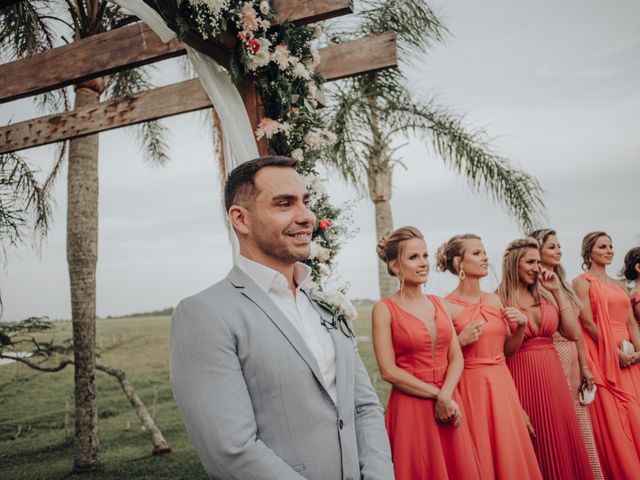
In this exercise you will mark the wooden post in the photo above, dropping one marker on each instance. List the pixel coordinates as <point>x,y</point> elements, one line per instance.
<point>255,109</point>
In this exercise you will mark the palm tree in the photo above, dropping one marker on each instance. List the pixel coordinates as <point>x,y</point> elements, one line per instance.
<point>30,27</point>
<point>369,111</point>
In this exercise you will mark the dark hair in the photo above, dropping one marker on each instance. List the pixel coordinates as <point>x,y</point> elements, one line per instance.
<point>240,186</point>
<point>631,259</point>
<point>588,242</point>
<point>388,247</point>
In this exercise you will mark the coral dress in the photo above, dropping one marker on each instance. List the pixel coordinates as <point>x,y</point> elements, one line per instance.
<point>545,396</point>
<point>420,447</point>
<point>490,398</point>
<point>615,413</point>
<point>568,353</point>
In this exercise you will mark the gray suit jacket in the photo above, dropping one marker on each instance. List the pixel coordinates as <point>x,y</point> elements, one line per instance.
<point>252,395</point>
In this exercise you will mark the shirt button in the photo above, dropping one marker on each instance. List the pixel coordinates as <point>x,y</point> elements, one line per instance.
<point>340,424</point>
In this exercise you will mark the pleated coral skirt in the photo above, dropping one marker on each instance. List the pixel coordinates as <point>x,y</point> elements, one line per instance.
<point>544,393</point>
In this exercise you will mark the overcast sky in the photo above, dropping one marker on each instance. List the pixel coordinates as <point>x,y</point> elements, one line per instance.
<point>555,84</point>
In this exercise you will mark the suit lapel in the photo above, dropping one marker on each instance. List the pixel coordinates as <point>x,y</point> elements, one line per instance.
<point>255,294</point>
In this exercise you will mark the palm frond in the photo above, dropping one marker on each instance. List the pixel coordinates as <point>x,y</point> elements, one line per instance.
<point>25,29</point>
<point>469,154</point>
<point>22,200</point>
<point>151,136</point>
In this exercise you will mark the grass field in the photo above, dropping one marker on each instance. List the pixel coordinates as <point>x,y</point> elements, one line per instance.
<point>40,402</point>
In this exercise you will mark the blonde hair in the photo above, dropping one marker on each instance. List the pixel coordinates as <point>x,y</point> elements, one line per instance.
<point>541,236</point>
<point>451,249</point>
<point>588,242</point>
<point>510,262</point>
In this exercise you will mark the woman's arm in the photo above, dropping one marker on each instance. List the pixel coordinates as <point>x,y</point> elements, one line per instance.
<point>386,358</point>
<point>581,287</point>
<point>585,372</point>
<point>446,408</point>
<point>514,339</point>
<point>568,326</point>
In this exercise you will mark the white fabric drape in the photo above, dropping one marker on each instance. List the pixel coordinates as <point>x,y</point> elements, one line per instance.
<point>238,142</point>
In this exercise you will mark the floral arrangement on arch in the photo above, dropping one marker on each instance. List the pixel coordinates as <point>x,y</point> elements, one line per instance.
<point>282,59</point>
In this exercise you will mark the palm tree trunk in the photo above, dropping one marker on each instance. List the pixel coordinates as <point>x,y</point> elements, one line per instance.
<point>380,184</point>
<point>82,257</point>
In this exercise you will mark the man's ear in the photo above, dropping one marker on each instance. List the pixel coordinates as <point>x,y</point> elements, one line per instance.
<point>238,219</point>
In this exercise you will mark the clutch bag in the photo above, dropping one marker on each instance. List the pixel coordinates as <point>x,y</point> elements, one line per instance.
<point>627,347</point>
<point>586,396</point>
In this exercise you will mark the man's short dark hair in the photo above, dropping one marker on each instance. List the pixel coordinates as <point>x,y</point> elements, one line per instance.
<point>240,186</point>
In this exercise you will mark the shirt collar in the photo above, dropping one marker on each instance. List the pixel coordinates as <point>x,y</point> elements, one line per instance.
<point>267,277</point>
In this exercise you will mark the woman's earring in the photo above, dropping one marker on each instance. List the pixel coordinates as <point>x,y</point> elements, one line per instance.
<point>461,274</point>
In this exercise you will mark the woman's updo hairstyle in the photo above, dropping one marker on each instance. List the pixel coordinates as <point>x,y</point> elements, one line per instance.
<point>451,249</point>
<point>588,242</point>
<point>631,259</point>
<point>389,246</point>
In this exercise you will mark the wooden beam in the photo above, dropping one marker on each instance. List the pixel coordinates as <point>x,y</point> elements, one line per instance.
<point>309,11</point>
<point>130,47</point>
<point>161,102</point>
<point>186,97</point>
<point>84,59</point>
<point>357,57</point>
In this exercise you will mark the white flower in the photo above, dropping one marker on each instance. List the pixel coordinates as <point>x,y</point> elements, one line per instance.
<point>330,137</point>
<point>264,7</point>
<point>315,184</point>
<point>297,154</point>
<point>342,303</point>
<point>264,24</point>
<point>281,56</point>
<point>313,139</point>
<point>318,252</point>
<point>325,271</point>
<point>268,128</point>
<point>262,56</point>
<point>300,71</point>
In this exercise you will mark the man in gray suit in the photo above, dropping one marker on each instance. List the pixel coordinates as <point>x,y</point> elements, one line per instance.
<point>268,387</point>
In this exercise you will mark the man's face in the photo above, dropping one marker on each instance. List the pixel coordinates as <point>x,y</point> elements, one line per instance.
<point>278,221</point>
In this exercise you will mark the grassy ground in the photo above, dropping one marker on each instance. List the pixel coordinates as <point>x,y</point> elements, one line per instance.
<point>42,404</point>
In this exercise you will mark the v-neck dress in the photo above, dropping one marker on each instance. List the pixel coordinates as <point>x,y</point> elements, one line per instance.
<point>544,393</point>
<point>490,398</point>
<point>420,447</point>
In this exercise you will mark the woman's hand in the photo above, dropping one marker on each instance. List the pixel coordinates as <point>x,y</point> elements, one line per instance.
<point>549,280</point>
<point>470,333</point>
<point>626,359</point>
<point>512,314</point>
<point>588,377</point>
<point>447,410</point>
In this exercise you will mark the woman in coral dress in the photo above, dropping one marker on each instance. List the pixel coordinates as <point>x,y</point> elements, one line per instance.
<point>631,272</point>
<point>605,318</point>
<point>418,353</point>
<point>535,364</point>
<point>572,354</point>
<point>489,396</point>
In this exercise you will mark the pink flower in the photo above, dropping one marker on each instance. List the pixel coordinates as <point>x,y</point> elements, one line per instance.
<point>249,18</point>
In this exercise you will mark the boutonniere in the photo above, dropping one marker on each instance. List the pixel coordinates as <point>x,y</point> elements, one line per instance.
<point>342,310</point>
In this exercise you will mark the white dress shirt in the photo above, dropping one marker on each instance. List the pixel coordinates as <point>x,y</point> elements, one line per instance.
<point>300,312</point>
